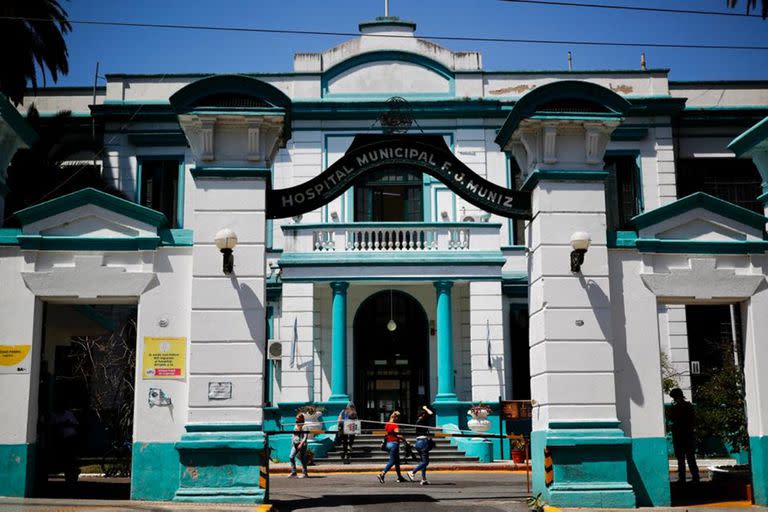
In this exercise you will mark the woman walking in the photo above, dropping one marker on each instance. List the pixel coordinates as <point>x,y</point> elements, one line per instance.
<point>348,413</point>
<point>424,444</point>
<point>299,447</point>
<point>392,441</point>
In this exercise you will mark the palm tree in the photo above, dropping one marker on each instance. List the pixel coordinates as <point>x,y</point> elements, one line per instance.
<point>32,36</point>
<point>752,5</point>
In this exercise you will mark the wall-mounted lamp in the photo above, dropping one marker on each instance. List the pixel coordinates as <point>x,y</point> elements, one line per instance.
<point>334,217</point>
<point>580,241</point>
<point>444,216</point>
<point>226,240</point>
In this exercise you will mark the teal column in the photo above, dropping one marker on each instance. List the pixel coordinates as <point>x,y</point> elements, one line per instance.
<point>339,342</point>
<point>445,387</point>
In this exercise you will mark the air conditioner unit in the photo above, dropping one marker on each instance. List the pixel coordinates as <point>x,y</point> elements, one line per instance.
<point>274,349</point>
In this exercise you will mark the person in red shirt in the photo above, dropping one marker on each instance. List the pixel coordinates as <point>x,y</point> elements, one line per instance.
<point>393,440</point>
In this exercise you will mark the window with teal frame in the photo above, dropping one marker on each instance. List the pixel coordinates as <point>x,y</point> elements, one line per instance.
<point>389,195</point>
<point>160,186</point>
<point>623,190</point>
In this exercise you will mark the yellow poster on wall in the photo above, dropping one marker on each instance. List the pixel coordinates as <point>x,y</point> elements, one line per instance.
<point>164,358</point>
<point>14,358</point>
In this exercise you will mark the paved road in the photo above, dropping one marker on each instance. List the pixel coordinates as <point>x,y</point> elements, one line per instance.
<point>480,491</point>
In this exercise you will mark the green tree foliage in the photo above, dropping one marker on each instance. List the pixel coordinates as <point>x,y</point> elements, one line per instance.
<point>752,6</point>
<point>34,39</point>
<point>41,173</point>
<point>668,375</point>
<point>720,407</point>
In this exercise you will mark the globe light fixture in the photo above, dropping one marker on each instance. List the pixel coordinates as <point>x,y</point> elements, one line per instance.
<point>391,325</point>
<point>580,241</point>
<point>226,240</point>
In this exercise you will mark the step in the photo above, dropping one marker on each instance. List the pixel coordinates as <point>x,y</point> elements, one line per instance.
<point>372,449</point>
<point>383,459</point>
<point>377,442</point>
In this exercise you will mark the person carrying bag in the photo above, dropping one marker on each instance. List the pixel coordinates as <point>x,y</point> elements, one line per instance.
<point>424,444</point>
<point>299,442</point>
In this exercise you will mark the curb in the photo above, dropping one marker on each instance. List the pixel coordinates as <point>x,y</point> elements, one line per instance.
<point>369,468</point>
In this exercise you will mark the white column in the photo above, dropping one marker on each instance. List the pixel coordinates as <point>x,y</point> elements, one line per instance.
<point>20,325</point>
<point>756,384</point>
<point>228,311</point>
<point>485,317</point>
<point>297,330</point>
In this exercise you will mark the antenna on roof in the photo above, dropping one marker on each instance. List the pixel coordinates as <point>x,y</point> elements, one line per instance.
<point>570,61</point>
<point>642,62</point>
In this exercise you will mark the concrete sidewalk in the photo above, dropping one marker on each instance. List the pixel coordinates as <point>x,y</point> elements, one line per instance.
<point>70,505</point>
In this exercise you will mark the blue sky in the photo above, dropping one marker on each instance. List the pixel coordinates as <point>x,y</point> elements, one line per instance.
<point>139,50</point>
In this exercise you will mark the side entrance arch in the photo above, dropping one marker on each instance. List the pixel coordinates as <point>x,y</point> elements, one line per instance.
<point>391,366</point>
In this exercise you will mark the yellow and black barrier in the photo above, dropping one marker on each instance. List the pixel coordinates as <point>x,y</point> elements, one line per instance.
<point>549,469</point>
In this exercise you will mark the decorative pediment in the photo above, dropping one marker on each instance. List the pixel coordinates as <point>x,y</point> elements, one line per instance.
<point>233,120</point>
<point>90,219</point>
<point>388,73</point>
<point>702,218</point>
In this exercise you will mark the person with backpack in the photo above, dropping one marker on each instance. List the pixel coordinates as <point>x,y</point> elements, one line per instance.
<point>424,444</point>
<point>299,442</point>
<point>392,444</point>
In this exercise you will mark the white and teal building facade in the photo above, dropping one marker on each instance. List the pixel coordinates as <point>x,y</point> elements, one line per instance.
<point>458,230</point>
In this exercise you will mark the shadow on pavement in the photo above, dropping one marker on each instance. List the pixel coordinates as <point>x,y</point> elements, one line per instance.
<point>702,493</point>
<point>338,500</point>
<point>115,489</point>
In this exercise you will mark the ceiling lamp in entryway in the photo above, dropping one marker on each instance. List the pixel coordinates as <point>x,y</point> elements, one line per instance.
<point>391,325</point>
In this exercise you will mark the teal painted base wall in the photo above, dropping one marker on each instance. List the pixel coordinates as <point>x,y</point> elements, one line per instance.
<point>450,412</point>
<point>154,471</point>
<point>279,447</point>
<point>538,444</point>
<point>16,469</point>
<point>480,448</point>
<point>759,447</point>
<point>649,472</point>
<point>221,464</point>
<point>590,465</point>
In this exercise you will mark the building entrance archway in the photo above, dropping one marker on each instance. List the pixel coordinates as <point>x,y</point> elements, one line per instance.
<point>391,366</point>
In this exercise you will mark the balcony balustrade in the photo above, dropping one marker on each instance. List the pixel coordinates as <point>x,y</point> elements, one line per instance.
<point>380,237</point>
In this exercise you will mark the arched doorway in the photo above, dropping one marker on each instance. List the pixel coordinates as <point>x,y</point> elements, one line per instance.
<point>391,366</point>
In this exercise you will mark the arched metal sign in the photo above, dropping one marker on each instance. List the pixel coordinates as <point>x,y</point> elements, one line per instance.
<point>420,153</point>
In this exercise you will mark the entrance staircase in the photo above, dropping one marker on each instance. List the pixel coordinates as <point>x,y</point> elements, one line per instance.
<point>367,450</point>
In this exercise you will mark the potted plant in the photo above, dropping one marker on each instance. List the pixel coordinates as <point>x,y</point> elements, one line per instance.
<point>518,450</point>
<point>312,415</point>
<point>536,504</point>
<point>479,422</point>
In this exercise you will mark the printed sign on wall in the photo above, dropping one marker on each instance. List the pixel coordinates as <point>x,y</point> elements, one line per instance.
<point>164,358</point>
<point>14,358</point>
